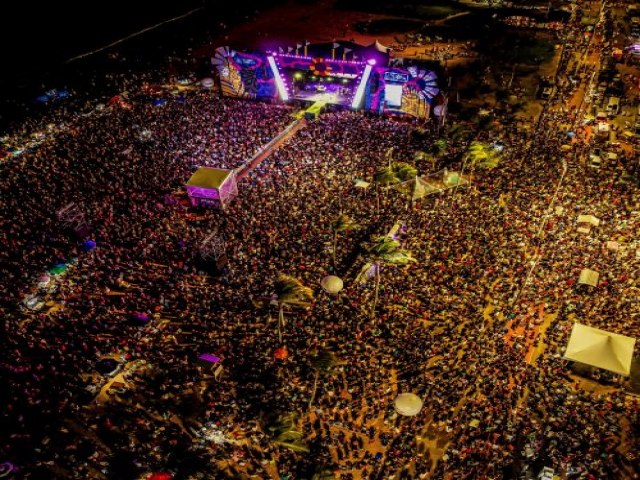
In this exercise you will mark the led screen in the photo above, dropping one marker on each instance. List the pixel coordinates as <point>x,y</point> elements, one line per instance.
<point>393,95</point>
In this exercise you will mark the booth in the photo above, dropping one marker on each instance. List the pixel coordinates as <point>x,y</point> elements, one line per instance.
<point>212,187</point>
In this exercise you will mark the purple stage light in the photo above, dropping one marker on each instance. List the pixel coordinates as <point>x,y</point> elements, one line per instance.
<point>371,61</point>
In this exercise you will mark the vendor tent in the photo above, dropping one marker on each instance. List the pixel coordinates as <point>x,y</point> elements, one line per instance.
<point>590,219</point>
<point>588,277</point>
<point>600,349</point>
<point>212,187</point>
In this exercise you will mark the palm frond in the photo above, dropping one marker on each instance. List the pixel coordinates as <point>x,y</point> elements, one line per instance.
<point>384,245</point>
<point>385,176</point>
<point>343,222</point>
<point>324,362</point>
<point>399,257</point>
<point>389,251</point>
<point>403,171</point>
<point>291,291</point>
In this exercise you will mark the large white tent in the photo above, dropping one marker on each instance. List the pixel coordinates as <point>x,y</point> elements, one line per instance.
<point>600,348</point>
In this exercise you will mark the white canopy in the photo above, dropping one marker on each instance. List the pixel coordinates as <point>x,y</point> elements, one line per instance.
<point>589,277</point>
<point>408,404</point>
<point>590,219</point>
<point>600,348</point>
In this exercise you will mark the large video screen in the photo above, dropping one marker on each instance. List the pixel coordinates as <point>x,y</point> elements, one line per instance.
<point>393,95</point>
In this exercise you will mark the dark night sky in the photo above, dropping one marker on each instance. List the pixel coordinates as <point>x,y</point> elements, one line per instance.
<point>33,33</point>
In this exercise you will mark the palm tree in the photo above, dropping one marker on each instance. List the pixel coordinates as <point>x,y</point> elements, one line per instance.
<point>323,363</point>
<point>287,434</point>
<point>458,132</point>
<point>439,147</point>
<point>481,155</point>
<point>396,172</point>
<point>290,291</point>
<point>341,223</point>
<point>404,171</point>
<point>387,250</point>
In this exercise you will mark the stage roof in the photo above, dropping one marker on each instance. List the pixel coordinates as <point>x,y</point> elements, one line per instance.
<point>209,177</point>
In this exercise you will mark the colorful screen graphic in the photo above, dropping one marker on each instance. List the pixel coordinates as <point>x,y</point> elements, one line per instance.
<point>244,75</point>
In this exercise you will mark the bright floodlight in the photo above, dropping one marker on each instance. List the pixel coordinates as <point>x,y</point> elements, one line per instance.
<point>357,99</point>
<point>284,96</point>
<point>371,61</point>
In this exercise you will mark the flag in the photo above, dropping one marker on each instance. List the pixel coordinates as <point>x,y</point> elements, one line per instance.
<point>335,45</point>
<point>344,53</point>
<point>289,49</point>
<point>298,45</point>
<point>280,50</point>
<point>307,42</point>
<point>355,56</point>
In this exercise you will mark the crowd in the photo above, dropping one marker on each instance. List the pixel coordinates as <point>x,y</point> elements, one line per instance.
<point>443,327</point>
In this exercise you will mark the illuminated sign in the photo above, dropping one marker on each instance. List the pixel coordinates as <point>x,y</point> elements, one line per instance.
<point>397,77</point>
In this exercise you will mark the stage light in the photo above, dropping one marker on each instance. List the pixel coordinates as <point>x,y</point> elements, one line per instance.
<point>357,99</point>
<point>297,76</point>
<point>284,96</point>
<point>371,61</point>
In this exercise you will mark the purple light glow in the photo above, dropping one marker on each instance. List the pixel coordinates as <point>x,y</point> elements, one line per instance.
<point>371,61</point>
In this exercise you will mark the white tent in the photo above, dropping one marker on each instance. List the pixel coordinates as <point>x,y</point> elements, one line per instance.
<point>600,348</point>
<point>408,404</point>
<point>590,219</point>
<point>589,277</point>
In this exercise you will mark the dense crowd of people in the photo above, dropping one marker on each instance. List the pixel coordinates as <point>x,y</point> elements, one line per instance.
<point>429,335</point>
<point>476,326</point>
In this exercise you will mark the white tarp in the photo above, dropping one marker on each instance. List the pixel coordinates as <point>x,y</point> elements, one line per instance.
<point>600,349</point>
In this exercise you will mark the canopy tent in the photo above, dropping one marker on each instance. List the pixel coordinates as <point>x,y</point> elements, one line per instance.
<point>590,219</point>
<point>208,359</point>
<point>586,222</point>
<point>589,277</point>
<point>408,404</point>
<point>212,187</point>
<point>601,349</point>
